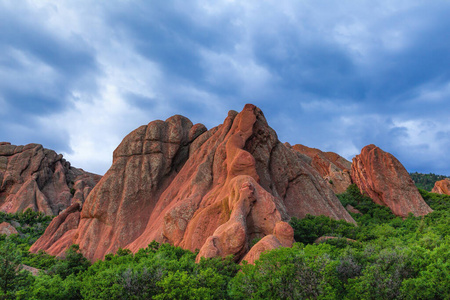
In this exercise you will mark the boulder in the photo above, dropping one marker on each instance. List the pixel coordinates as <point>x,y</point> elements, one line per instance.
<point>33,271</point>
<point>8,229</point>
<point>38,178</point>
<point>216,190</point>
<point>333,168</point>
<point>384,179</point>
<point>442,187</point>
<point>283,236</point>
<point>352,210</point>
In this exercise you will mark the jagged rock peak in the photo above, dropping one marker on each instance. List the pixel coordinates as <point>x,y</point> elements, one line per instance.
<point>38,178</point>
<point>213,190</point>
<point>384,179</point>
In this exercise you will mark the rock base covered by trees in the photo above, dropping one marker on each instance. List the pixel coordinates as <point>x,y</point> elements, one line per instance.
<point>383,257</point>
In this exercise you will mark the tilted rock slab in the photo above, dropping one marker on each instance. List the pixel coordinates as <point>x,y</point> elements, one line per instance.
<point>442,187</point>
<point>38,178</point>
<point>334,169</point>
<point>210,190</point>
<point>384,179</point>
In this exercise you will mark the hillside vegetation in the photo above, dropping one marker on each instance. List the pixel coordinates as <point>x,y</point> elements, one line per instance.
<point>384,257</point>
<point>426,181</point>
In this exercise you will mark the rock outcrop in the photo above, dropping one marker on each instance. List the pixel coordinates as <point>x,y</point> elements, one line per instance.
<point>384,179</point>
<point>38,178</point>
<point>8,229</point>
<point>283,236</point>
<point>442,187</point>
<point>59,234</point>
<point>333,168</point>
<point>172,181</point>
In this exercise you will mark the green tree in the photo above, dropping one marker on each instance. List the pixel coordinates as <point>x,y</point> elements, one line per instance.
<point>73,263</point>
<point>12,276</point>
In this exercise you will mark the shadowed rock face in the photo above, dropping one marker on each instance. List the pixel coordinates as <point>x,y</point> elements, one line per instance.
<point>211,190</point>
<point>38,178</point>
<point>384,179</point>
<point>334,169</point>
<point>442,187</point>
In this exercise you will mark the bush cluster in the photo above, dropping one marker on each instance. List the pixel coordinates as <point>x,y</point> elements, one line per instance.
<point>390,258</point>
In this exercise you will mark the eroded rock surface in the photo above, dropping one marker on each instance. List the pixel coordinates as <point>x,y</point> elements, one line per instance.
<point>38,178</point>
<point>8,229</point>
<point>442,187</point>
<point>172,181</point>
<point>333,168</point>
<point>384,179</point>
<point>283,236</point>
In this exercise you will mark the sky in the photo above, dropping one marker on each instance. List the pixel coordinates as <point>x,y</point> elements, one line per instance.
<point>78,76</point>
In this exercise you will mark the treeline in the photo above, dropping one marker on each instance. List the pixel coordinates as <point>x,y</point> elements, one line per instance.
<point>426,181</point>
<point>384,257</point>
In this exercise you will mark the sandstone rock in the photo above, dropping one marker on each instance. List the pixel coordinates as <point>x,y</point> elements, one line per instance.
<point>352,210</point>
<point>333,168</point>
<point>283,236</point>
<point>33,271</point>
<point>38,178</point>
<point>8,229</point>
<point>384,179</point>
<point>442,187</point>
<point>59,234</point>
<point>214,190</point>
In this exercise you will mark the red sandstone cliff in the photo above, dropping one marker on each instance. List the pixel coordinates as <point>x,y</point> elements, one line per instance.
<point>384,179</point>
<point>334,169</point>
<point>211,190</point>
<point>38,178</point>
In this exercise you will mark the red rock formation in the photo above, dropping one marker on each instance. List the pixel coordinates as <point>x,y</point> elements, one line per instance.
<point>8,229</point>
<point>38,178</point>
<point>210,190</point>
<point>331,166</point>
<point>59,234</point>
<point>352,210</point>
<point>442,187</point>
<point>283,236</point>
<point>384,179</point>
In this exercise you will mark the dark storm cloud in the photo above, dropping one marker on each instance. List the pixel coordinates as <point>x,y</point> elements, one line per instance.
<point>331,75</point>
<point>172,35</point>
<point>38,70</point>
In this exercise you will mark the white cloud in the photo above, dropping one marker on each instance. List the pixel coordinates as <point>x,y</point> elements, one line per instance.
<point>263,43</point>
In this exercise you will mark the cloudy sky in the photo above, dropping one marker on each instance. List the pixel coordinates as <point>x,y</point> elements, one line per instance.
<point>77,76</point>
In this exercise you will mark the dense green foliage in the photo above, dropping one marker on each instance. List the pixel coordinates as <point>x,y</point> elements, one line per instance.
<point>386,258</point>
<point>426,181</point>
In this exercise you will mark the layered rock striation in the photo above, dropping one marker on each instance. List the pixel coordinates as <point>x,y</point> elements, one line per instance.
<point>331,166</point>
<point>38,178</point>
<point>384,179</point>
<point>216,190</point>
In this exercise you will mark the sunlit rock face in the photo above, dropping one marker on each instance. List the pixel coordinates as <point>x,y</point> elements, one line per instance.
<point>8,229</point>
<point>442,187</point>
<point>214,190</point>
<point>333,168</point>
<point>38,178</point>
<point>384,179</point>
